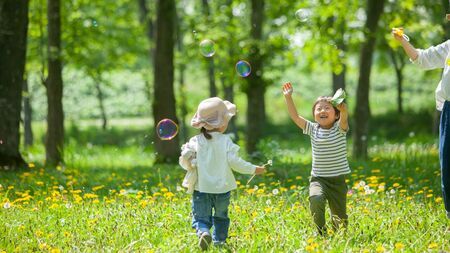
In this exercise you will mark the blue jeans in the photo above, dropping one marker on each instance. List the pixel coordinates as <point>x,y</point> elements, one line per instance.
<point>203,220</point>
<point>444,153</point>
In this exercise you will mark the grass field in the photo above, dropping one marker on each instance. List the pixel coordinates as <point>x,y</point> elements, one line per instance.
<point>110,197</point>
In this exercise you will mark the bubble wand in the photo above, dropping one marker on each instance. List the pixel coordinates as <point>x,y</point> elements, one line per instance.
<point>399,31</point>
<point>269,163</point>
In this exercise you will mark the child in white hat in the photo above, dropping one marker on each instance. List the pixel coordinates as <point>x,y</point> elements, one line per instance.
<point>209,159</point>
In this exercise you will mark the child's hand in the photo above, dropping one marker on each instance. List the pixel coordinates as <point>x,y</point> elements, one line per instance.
<point>342,107</point>
<point>260,170</point>
<point>287,89</point>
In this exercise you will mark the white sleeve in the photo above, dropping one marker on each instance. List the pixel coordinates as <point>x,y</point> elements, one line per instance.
<point>308,128</point>
<point>236,162</point>
<point>433,57</point>
<point>188,154</point>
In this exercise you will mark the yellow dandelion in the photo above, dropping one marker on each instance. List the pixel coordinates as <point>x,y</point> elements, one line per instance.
<point>55,250</point>
<point>380,249</point>
<point>96,188</point>
<point>433,245</point>
<point>90,196</point>
<point>39,233</point>
<point>43,245</point>
<point>396,185</point>
<point>309,248</point>
<point>168,195</point>
<point>399,245</point>
<point>438,200</point>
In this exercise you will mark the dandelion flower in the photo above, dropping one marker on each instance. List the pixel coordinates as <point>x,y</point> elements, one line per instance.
<point>275,191</point>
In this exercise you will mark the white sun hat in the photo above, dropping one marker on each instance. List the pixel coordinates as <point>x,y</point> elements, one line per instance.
<point>213,113</point>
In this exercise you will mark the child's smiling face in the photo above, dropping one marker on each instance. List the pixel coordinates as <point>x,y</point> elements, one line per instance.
<point>324,114</point>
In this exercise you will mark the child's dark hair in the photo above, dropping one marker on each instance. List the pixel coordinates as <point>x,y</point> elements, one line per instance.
<point>326,99</point>
<point>205,133</point>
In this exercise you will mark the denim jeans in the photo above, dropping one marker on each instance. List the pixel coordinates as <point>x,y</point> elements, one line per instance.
<point>444,153</point>
<point>203,217</point>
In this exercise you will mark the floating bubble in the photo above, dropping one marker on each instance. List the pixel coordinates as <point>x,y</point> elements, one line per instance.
<point>303,15</point>
<point>166,129</point>
<point>243,68</point>
<point>207,48</point>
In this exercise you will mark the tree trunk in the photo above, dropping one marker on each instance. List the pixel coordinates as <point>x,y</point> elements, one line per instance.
<point>54,143</point>
<point>100,99</point>
<point>184,130</point>
<point>210,60</point>
<point>13,40</point>
<point>339,78</point>
<point>229,95</point>
<point>445,24</point>
<point>27,116</point>
<point>399,65</point>
<point>256,86</point>
<point>164,98</point>
<point>362,109</point>
<point>147,21</point>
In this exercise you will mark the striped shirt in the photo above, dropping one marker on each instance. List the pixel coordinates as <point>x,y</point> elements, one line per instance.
<point>329,150</point>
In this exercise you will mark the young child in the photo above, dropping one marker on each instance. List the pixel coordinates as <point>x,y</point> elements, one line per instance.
<point>209,157</point>
<point>329,158</point>
<point>432,58</point>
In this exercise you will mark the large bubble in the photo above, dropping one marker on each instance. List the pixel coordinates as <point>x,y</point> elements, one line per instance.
<point>243,68</point>
<point>207,48</point>
<point>166,129</point>
<point>303,15</point>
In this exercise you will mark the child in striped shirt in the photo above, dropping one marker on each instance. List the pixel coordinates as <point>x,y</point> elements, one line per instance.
<point>329,157</point>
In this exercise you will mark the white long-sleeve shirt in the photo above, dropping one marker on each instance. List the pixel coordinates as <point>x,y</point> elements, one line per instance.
<point>437,57</point>
<point>213,161</point>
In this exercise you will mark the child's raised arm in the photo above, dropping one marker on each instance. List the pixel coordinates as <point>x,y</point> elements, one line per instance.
<point>298,120</point>
<point>343,119</point>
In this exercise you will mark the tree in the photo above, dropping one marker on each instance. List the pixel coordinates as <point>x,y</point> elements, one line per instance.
<point>54,143</point>
<point>27,115</point>
<point>362,109</point>
<point>256,87</point>
<point>210,60</point>
<point>13,37</point>
<point>164,98</point>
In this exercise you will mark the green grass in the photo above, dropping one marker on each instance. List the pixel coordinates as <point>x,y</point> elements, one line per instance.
<point>111,197</point>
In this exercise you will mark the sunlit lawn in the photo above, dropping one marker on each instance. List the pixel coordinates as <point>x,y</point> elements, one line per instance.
<point>114,199</point>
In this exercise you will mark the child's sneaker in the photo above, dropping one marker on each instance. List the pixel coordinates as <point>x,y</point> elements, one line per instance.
<point>204,240</point>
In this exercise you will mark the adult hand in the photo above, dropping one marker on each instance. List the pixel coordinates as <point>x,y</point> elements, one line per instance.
<point>398,33</point>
